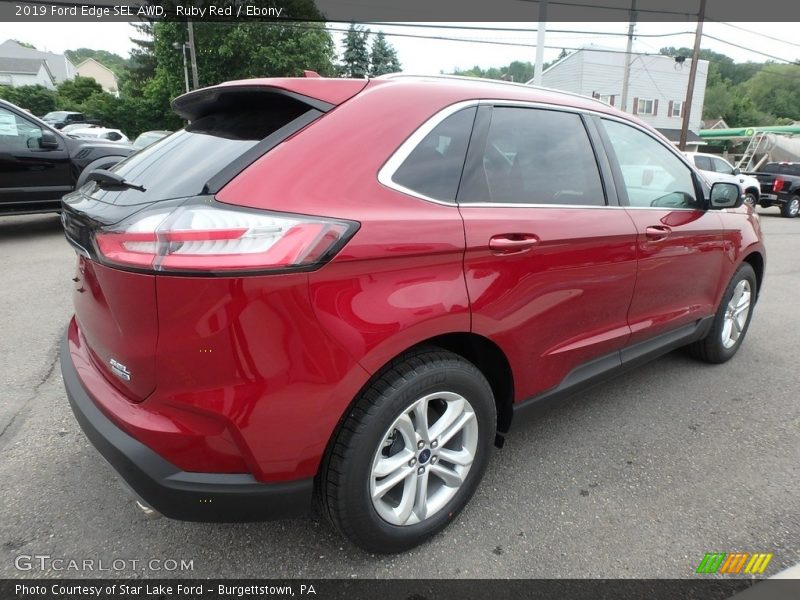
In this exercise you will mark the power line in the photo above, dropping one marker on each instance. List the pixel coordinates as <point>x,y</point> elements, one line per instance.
<point>786,60</point>
<point>513,29</point>
<point>774,39</point>
<point>475,40</point>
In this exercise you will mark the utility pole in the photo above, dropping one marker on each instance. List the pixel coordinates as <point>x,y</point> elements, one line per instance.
<point>193,55</point>
<point>626,77</point>
<point>687,107</point>
<point>537,73</point>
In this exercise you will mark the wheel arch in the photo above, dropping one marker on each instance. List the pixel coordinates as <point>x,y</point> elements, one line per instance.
<point>487,356</point>
<point>756,260</point>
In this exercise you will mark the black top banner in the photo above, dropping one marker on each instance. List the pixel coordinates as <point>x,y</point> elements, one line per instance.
<point>552,11</point>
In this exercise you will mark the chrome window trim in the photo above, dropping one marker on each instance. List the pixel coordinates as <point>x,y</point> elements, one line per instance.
<point>389,168</point>
<point>398,157</point>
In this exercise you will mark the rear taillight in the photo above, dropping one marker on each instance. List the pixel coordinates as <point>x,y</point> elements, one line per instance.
<point>210,237</point>
<point>777,185</point>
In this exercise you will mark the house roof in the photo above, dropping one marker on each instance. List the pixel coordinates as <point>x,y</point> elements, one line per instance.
<point>56,63</point>
<point>21,66</point>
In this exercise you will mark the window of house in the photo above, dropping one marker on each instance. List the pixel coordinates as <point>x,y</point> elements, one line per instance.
<point>645,107</point>
<point>677,108</point>
<point>534,156</point>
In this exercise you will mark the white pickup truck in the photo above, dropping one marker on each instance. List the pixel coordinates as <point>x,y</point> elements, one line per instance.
<point>715,168</point>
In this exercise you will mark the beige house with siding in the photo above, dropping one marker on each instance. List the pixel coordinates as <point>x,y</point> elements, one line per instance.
<point>100,73</point>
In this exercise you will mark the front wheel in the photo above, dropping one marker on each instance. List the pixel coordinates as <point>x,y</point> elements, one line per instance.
<point>791,208</point>
<point>411,452</point>
<point>731,321</point>
<point>750,199</point>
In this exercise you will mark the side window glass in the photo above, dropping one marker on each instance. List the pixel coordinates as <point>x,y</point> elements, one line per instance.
<point>703,163</point>
<point>535,156</point>
<point>653,175</point>
<point>434,167</point>
<point>17,133</point>
<point>720,166</point>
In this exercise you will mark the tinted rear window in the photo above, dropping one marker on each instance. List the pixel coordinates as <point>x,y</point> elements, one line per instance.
<point>181,165</point>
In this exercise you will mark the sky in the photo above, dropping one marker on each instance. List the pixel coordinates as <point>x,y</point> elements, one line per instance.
<point>431,56</point>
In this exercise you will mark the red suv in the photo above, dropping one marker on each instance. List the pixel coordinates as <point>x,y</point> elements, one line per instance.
<point>351,289</point>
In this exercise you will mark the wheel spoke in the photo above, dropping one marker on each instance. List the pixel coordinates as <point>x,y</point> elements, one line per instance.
<point>406,506</point>
<point>382,487</point>
<point>737,329</point>
<point>450,477</point>
<point>421,501</point>
<point>454,410</point>
<point>461,458</point>
<point>406,428</point>
<point>388,465</point>
<point>726,329</point>
<point>421,417</point>
<point>447,434</point>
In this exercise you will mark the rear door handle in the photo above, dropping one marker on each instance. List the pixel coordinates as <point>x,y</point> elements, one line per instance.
<point>512,243</point>
<point>655,233</point>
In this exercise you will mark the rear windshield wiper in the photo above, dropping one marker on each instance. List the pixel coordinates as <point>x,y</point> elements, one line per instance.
<point>110,179</point>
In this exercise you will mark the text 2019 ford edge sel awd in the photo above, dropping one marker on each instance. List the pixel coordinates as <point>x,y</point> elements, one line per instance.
<point>351,289</point>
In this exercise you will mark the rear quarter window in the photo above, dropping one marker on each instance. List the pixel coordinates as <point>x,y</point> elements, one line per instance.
<point>433,168</point>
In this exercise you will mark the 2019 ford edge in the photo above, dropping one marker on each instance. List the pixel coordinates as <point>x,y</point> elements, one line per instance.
<point>352,289</point>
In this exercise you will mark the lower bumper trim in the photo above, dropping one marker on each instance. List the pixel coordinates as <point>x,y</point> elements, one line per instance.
<point>172,492</point>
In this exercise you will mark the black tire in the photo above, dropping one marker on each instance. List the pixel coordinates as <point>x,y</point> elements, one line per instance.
<point>711,348</point>
<point>751,199</point>
<point>791,208</point>
<point>101,163</point>
<point>345,475</point>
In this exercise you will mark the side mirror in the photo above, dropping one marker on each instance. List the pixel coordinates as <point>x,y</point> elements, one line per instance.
<point>737,171</point>
<point>48,141</point>
<point>726,195</point>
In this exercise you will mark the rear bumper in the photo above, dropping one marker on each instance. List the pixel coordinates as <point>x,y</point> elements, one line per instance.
<point>169,490</point>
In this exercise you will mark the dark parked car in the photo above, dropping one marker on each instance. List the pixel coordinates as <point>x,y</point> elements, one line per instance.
<point>356,287</point>
<point>39,164</point>
<point>60,118</point>
<point>780,186</point>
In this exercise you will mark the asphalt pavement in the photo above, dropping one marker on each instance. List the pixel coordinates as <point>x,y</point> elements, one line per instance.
<point>639,477</point>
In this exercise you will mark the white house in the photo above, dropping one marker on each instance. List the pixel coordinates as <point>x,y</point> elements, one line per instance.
<point>100,73</point>
<point>58,64</point>
<point>17,72</point>
<point>656,86</point>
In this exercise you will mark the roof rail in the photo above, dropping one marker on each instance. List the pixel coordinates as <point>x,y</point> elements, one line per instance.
<point>488,81</point>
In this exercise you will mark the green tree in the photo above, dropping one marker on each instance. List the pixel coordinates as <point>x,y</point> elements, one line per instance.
<point>356,57</point>
<point>775,89</point>
<point>383,58</point>
<point>35,98</point>
<point>73,92</point>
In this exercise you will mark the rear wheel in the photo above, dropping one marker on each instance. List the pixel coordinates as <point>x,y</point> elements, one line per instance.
<point>791,208</point>
<point>731,321</point>
<point>411,453</point>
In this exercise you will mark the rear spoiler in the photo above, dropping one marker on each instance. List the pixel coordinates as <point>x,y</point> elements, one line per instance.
<point>316,92</point>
